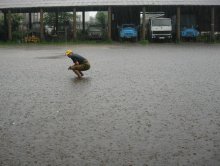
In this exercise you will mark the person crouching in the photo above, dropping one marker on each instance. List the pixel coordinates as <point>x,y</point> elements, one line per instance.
<point>80,63</point>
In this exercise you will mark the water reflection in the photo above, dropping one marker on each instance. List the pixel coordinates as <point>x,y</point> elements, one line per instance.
<point>51,57</point>
<point>83,80</point>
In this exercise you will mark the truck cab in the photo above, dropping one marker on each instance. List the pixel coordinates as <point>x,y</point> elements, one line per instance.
<point>160,28</point>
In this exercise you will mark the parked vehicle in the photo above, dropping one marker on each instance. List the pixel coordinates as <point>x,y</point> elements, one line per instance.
<point>189,33</point>
<point>189,27</point>
<point>160,28</point>
<point>95,32</point>
<point>128,31</point>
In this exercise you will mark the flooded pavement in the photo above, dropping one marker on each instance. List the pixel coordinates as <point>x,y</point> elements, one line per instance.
<point>154,105</point>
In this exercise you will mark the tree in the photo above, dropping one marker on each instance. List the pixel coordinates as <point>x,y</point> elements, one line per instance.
<point>49,19</point>
<point>101,18</point>
<point>16,20</point>
<point>63,18</point>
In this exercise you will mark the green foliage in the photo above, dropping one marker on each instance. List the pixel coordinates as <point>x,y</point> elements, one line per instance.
<point>101,17</point>
<point>63,18</point>
<point>17,36</point>
<point>2,28</point>
<point>144,42</point>
<point>82,35</point>
<point>49,19</point>
<point>1,20</point>
<point>16,19</point>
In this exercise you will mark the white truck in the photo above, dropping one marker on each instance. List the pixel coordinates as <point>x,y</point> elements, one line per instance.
<point>160,28</point>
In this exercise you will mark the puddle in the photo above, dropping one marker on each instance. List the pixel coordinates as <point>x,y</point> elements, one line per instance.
<point>51,57</point>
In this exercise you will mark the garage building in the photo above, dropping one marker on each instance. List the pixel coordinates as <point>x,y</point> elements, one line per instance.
<point>205,12</point>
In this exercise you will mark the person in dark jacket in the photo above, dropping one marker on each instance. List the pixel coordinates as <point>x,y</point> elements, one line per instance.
<point>80,63</point>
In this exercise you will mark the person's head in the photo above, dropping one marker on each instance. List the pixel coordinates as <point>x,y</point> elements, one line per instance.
<point>68,52</point>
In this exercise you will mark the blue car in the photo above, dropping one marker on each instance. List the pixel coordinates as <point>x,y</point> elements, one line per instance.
<point>189,33</point>
<point>128,31</point>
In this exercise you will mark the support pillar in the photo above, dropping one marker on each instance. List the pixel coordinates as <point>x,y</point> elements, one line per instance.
<point>5,26</point>
<point>109,23</point>
<point>212,24</point>
<point>9,26</point>
<point>74,24</point>
<point>178,24</point>
<point>143,23</point>
<point>30,22</point>
<point>41,25</point>
<point>83,21</point>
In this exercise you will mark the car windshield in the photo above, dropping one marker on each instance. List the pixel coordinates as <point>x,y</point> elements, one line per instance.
<point>161,22</point>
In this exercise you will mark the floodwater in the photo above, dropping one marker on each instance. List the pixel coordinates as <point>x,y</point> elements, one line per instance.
<point>153,105</point>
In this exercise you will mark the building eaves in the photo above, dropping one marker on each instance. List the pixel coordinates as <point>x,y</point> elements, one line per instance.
<point>10,4</point>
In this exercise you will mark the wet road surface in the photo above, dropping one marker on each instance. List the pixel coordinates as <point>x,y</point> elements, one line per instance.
<point>138,105</point>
